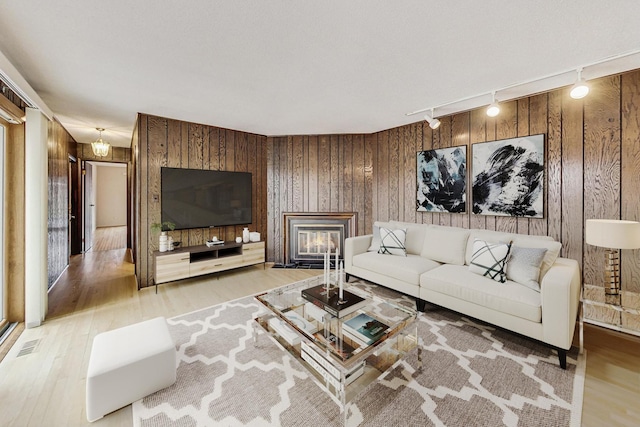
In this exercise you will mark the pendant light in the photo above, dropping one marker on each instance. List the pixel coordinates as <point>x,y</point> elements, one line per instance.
<point>580,89</point>
<point>433,122</point>
<point>100,148</point>
<point>493,109</point>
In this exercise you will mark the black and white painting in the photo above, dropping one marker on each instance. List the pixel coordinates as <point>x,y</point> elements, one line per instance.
<point>508,177</point>
<point>442,177</point>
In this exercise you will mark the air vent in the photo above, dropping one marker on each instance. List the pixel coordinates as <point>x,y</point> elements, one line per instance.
<point>28,348</point>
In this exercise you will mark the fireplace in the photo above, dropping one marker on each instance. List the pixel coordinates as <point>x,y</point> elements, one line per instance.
<point>308,236</point>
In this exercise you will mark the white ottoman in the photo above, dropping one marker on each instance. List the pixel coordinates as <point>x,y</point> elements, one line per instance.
<point>127,364</point>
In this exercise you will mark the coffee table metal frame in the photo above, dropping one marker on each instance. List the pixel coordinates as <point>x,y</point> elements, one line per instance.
<point>342,375</point>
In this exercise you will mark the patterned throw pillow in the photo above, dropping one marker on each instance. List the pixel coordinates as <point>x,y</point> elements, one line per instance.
<point>392,241</point>
<point>490,259</point>
<point>524,266</point>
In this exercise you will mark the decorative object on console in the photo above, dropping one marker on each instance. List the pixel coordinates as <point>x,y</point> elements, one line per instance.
<point>392,241</point>
<point>442,180</point>
<point>613,235</point>
<point>508,177</point>
<point>254,236</point>
<point>163,242</point>
<point>245,235</point>
<point>489,259</point>
<point>238,239</point>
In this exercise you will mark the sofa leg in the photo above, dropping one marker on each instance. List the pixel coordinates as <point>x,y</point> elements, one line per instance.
<point>562,356</point>
<point>347,276</point>
<point>420,304</point>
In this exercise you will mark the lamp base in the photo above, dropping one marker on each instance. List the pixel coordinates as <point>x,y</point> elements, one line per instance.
<point>611,272</point>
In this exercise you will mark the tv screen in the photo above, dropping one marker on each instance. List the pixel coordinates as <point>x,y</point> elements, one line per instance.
<point>195,198</point>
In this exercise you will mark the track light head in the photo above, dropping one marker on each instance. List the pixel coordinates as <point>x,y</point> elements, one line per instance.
<point>493,109</point>
<point>580,89</point>
<point>433,122</point>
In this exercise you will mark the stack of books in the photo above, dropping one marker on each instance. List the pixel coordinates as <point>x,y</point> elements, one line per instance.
<point>364,329</point>
<point>330,301</point>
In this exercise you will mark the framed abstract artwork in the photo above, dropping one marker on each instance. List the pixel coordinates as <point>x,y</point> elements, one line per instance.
<point>442,180</point>
<point>508,177</point>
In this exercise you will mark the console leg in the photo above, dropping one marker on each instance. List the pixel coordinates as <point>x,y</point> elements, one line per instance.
<point>420,304</point>
<point>562,356</point>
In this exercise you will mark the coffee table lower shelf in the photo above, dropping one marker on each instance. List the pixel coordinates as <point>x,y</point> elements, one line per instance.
<point>342,380</point>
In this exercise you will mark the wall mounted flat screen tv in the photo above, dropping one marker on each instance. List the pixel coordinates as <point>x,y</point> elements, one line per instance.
<point>195,198</point>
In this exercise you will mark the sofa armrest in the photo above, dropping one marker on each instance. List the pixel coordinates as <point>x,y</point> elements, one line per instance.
<point>354,246</point>
<point>560,293</point>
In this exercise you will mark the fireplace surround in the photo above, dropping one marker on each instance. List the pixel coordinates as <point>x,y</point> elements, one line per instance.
<point>308,236</point>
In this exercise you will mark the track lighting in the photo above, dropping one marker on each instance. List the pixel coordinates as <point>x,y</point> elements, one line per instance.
<point>580,89</point>
<point>493,109</point>
<point>433,122</point>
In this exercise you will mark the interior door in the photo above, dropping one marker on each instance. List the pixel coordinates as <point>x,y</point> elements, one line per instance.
<point>75,213</point>
<point>89,205</point>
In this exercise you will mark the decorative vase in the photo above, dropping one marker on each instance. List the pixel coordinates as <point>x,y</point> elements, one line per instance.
<point>245,235</point>
<point>164,239</point>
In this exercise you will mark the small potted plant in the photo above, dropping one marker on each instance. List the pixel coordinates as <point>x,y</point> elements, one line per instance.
<point>163,240</point>
<point>163,227</point>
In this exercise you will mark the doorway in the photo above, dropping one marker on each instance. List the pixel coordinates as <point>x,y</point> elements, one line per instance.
<point>106,206</point>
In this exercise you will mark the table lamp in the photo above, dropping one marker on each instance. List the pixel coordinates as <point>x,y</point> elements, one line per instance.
<point>613,235</point>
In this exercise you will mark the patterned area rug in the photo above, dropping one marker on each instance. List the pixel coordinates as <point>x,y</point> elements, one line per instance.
<point>472,374</point>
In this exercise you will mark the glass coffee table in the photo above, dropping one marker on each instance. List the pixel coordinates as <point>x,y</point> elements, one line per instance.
<point>344,354</point>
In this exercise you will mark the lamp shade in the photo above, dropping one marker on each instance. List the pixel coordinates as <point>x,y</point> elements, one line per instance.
<point>613,233</point>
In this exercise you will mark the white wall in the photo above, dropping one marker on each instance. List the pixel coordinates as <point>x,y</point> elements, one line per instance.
<point>35,219</point>
<point>110,195</point>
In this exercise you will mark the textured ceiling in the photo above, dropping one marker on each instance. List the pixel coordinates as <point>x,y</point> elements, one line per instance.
<point>294,67</point>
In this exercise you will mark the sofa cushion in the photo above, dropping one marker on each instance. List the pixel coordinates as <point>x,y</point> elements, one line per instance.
<point>407,269</point>
<point>392,241</point>
<point>524,266</point>
<point>415,235</point>
<point>509,297</point>
<point>490,259</point>
<point>445,244</point>
<point>375,241</point>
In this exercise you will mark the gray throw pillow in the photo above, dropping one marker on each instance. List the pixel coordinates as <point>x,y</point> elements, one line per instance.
<point>524,266</point>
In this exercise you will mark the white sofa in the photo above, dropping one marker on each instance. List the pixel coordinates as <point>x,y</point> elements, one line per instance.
<point>436,270</point>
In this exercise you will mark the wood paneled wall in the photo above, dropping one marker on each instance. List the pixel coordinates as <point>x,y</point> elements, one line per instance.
<point>173,143</point>
<point>60,146</point>
<point>592,169</point>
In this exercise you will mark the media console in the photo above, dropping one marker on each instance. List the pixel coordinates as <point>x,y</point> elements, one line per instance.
<point>198,260</point>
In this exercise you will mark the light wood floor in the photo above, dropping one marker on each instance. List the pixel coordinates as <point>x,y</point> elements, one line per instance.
<point>98,293</point>
<point>109,238</point>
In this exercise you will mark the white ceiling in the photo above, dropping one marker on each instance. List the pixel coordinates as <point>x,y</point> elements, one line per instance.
<point>294,67</point>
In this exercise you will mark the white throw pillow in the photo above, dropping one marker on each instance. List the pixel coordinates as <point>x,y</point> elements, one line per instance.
<point>489,259</point>
<point>375,241</point>
<point>524,266</point>
<point>392,241</point>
